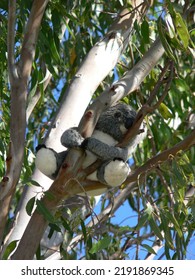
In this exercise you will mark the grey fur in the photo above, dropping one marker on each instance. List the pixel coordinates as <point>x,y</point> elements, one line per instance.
<point>110,120</point>
<point>110,130</point>
<point>114,122</point>
<point>104,151</point>
<point>71,138</point>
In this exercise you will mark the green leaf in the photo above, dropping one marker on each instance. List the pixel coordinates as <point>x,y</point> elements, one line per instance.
<point>33,90</point>
<point>100,245</point>
<point>166,229</point>
<point>53,48</point>
<point>178,174</point>
<point>142,221</point>
<point>163,37</point>
<point>148,248</point>
<point>164,111</point>
<point>49,195</point>
<point>149,209</point>
<point>145,31</point>
<point>66,225</point>
<point>53,228</point>
<point>170,7</point>
<point>170,26</point>
<point>193,211</point>
<point>125,229</point>
<point>180,26</point>
<point>10,248</point>
<point>182,85</point>
<point>33,183</point>
<point>44,211</point>
<point>182,30</point>
<point>30,205</point>
<point>132,202</point>
<point>173,220</point>
<point>155,228</point>
<point>84,230</point>
<point>47,74</point>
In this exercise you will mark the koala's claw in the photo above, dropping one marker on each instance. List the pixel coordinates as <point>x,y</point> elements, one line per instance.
<point>84,144</point>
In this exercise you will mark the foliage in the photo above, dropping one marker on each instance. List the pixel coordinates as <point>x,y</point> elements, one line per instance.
<point>156,211</point>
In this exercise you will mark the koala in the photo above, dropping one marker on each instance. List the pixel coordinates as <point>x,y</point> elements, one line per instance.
<point>109,131</point>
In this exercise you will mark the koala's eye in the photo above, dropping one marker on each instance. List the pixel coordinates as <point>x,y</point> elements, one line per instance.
<point>117,115</point>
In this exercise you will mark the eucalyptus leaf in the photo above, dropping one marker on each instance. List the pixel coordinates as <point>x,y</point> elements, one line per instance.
<point>30,205</point>
<point>44,211</point>
<point>10,248</point>
<point>100,245</point>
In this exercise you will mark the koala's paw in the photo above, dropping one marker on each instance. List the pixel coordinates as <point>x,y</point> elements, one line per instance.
<point>71,138</point>
<point>113,173</point>
<point>85,143</point>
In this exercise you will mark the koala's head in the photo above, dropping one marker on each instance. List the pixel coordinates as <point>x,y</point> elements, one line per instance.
<point>116,120</point>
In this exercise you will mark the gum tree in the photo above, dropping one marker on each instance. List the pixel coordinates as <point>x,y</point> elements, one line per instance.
<point>62,65</point>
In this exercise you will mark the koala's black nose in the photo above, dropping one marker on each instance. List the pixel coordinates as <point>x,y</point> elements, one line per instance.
<point>129,122</point>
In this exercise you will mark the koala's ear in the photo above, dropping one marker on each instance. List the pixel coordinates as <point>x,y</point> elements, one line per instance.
<point>71,138</point>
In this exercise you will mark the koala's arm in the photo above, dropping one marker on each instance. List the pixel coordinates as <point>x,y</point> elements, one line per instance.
<point>71,138</point>
<point>104,151</point>
<point>107,152</point>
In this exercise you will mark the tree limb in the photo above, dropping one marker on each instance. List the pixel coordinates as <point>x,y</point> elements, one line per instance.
<point>140,172</point>
<point>11,41</point>
<point>30,38</point>
<point>18,104</point>
<point>116,43</point>
<point>126,85</point>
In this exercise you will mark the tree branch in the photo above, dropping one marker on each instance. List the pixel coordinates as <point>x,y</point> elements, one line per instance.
<point>110,49</point>
<point>30,37</point>
<point>126,85</point>
<point>141,171</point>
<point>18,104</point>
<point>148,107</point>
<point>11,41</point>
<point>91,116</point>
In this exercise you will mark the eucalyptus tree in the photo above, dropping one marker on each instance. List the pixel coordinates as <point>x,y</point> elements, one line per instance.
<point>62,64</point>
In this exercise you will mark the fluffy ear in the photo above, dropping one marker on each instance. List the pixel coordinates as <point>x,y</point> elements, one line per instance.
<point>71,138</point>
<point>116,121</point>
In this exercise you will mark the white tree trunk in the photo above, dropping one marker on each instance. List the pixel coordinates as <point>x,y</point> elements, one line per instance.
<point>98,63</point>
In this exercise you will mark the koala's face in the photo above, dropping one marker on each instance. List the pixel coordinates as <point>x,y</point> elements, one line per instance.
<point>116,120</point>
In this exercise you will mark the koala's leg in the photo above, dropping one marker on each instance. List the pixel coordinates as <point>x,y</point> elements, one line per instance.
<point>113,173</point>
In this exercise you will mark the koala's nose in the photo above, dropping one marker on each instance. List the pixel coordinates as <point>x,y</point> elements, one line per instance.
<point>129,123</point>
